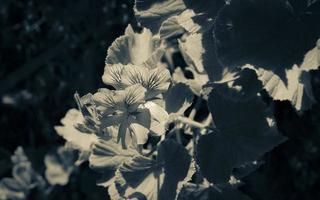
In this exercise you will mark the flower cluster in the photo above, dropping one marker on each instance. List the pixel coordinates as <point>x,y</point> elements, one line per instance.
<point>139,81</point>
<point>123,130</point>
<point>116,123</point>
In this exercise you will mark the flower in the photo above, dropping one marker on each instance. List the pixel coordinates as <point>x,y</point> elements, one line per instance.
<point>155,80</point>
<point>79,139</point>
<point>128,110</point>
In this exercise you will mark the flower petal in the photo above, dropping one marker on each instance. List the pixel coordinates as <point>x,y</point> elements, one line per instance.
<point>110,120</point>
<point>133,96</point>
<point>105,101</point>
<point>112,75</point>
<point>158,82</point>
<point>140,132</point>
<point>123,134</point>
<point>133,74</point>
<point>159,118</point>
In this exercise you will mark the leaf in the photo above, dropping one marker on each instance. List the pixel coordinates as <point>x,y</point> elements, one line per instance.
<point>175,170</point>
<point>108,155</point>
<point>135,170</point>
<point>178,98</point>
<point>24,178</point>
<point>312,58</point>
<point>59,166</point>
<point>78,140</point>
<point>198,51</point>
<point>152,13</point>
<point>246,169</point>
<point>297,89</point>
<point>213,157</point>
<point>246,132</point>
<point>19,156</point>
<point>195,84</point>
<point>153,178</point>
<point>10,189</point>
<point>171,28</point>
<point>192,191</point>
<point>264,33</point>
<point>189,13</point>
<point>238,85</point>
<point>133,48</point>
<point>186,22</point>
<point>106,158</point>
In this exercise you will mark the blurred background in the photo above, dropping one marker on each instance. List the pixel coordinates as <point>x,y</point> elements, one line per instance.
<point>50,49</point>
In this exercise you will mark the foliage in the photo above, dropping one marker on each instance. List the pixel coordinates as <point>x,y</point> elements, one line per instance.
<point>141,131</point>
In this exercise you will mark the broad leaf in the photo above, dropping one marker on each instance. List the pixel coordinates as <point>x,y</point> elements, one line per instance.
<point>199,52</point>
<point>153,178</point>
<point>238,85</point>
<point>297,89</point>
<point>192,191</point>
<point>272,34</point>
<point>246,132</point>
<point>152,14</point>
<point>108,155</point>
<point>178,98</point>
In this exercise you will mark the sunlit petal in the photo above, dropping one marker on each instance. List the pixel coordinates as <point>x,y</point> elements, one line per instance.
<point>133,74</point>
<point>112,75</point>
<point>105,101</point>
<point>140,132</point>
<point>158,82</point>
<point>134,96</point>
<point>159,118</point>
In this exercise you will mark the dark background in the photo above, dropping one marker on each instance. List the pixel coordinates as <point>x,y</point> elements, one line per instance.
<point>50,49</point>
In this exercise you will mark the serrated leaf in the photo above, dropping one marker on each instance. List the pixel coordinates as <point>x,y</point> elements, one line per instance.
<point>153,178</point>
<point>59,166</point>
<point>132,48</point>
<point>265,33</point>
<point>246,132</point>
<point>186,22</point>
<point>135,170</point>
<point>312,58</point>
<point>153,14</point>
<point>199,52</point>
<point>171,28</point>
<point>192,191</point>
<point>79,140</point>
<point>238,85</point>
<point>108,155</point>
<point>297,89</point>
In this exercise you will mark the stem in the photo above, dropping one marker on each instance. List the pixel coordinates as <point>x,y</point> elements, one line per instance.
<point>191,122</point>
<point>179,140</point>
<point>158,185</point>
<point>196,108</point>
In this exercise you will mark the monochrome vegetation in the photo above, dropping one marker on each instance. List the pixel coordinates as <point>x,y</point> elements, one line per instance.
<point>158,130</point>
